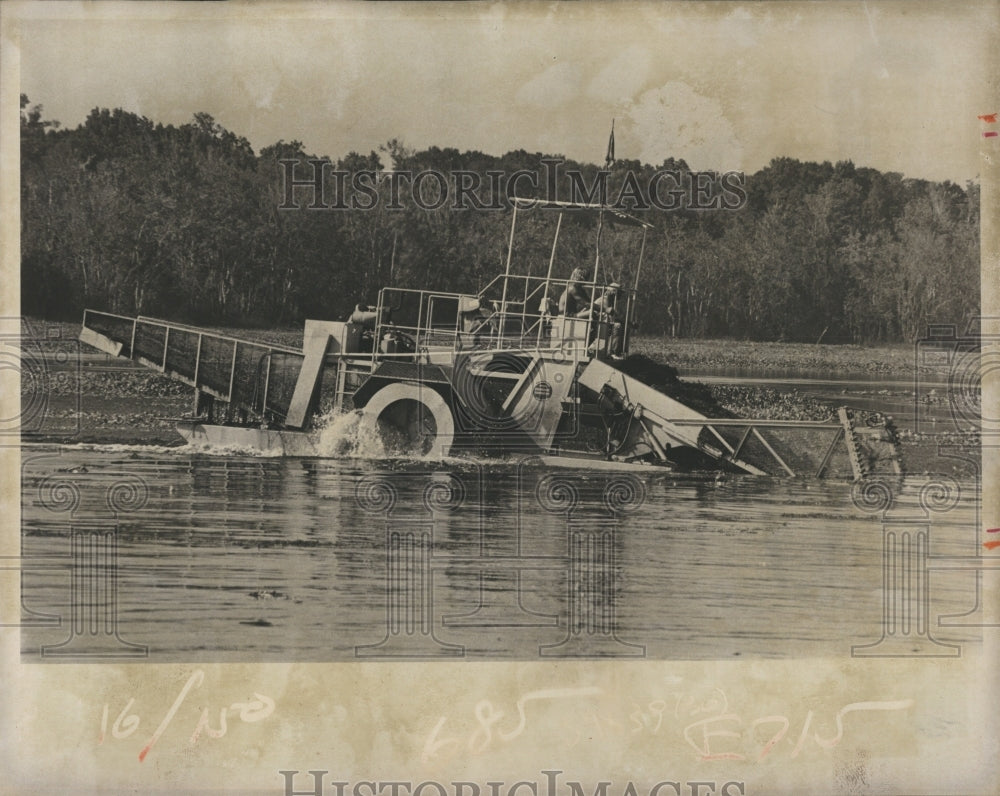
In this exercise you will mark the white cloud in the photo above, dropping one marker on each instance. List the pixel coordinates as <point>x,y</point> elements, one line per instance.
<point>674,120</point>
<point>752,81</point>
<point>622,78</point>
<point>559,84</point>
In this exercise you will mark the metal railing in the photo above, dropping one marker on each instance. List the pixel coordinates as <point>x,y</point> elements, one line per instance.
<point>511,312</point>
<point>243,373</point>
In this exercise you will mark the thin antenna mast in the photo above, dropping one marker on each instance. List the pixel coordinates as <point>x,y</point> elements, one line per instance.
<point>609,160</point>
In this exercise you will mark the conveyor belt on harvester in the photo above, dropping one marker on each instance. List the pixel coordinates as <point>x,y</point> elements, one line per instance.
<point>246,375</point>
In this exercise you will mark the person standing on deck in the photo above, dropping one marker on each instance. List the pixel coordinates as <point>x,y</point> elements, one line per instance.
<point>603,310</point>
<point>574,297</point>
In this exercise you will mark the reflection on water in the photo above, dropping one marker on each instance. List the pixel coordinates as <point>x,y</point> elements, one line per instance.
<point>228,558</point>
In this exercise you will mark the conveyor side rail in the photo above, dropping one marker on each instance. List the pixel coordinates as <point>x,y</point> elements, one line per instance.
<point>245,374</point>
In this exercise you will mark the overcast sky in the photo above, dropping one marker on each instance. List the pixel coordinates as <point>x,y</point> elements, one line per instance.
<point>897,86</point>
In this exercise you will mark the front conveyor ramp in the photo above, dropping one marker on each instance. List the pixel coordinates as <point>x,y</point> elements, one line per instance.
<point>245,374</point>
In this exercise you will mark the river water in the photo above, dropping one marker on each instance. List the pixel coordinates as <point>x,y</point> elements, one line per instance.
<point>169,554</point>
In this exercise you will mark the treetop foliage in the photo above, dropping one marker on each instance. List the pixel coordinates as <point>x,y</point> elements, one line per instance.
<point>131,216</point>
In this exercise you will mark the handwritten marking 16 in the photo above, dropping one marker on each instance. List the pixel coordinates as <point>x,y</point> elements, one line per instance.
<point>127,723</point>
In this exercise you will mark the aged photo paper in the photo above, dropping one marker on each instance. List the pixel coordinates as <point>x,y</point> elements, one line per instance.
<point>589,398</point>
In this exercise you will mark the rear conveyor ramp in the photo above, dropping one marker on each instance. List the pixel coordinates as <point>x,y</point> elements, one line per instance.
<point>761,447</point>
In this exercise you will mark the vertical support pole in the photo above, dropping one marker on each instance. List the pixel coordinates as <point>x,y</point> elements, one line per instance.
<point>457,333</point>
<point>593,284</point>
<point>338,399</point>
<point>597,252</point>
<point>197,361</point>
<point>378,325</point>
<point>166,342</point>
<point>642,251</point>
<point>506,276</point>
<point>232,374</point>
<point>267,383</point>
<point>633,298</point>
<point>420,321</point>
<point>204,403</point>
<point>131,344</point>
<point>548,275</point>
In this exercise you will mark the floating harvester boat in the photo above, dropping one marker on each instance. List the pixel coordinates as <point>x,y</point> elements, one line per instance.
<point>512,370</point>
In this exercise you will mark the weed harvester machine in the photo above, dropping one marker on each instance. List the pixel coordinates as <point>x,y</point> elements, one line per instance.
<point>512,370</point>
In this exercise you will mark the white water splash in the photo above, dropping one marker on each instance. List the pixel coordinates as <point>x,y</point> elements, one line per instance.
<point>341,434</point>
<point>344,436</point>
<point>116,447</point>
<point>208,449</point>
<point>187,449</point>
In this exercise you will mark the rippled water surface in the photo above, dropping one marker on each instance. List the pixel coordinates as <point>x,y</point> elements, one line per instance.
<point>239,558</point>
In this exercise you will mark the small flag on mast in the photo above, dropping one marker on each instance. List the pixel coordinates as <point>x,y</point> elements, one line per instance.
<point>610,158</point>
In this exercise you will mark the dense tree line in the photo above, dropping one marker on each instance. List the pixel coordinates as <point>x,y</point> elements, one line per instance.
<point>185,222</point>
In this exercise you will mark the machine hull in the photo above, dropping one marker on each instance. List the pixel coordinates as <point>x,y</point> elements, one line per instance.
<point>269,442</point>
